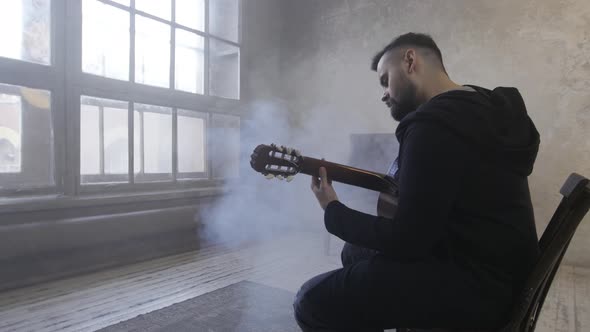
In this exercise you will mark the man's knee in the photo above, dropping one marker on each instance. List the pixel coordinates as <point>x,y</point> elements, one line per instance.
<point>305,305</point>
<point>300,304</point>
<point>302,308</point>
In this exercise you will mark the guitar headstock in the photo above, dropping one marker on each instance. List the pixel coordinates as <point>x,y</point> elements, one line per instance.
<point>274,161</point>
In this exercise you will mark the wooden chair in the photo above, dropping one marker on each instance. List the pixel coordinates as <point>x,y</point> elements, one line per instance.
<point>553,244</point>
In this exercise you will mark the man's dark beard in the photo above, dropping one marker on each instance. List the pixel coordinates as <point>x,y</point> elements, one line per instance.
<point>407,102</point>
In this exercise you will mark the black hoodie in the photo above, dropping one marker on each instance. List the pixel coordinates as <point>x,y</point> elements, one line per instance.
<point>464,197</point>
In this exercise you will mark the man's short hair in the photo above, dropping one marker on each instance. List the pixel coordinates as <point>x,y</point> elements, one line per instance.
<point>408,40</point>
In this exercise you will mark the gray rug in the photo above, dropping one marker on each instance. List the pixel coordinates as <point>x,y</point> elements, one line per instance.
<point>244,306</point>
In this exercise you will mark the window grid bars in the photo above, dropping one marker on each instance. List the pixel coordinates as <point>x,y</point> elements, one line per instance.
<point>66,98</point>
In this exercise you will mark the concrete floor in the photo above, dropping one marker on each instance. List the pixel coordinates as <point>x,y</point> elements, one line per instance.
<point>90,302</point>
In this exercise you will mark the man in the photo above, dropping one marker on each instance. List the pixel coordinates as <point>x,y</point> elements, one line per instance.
<point>463,238</point>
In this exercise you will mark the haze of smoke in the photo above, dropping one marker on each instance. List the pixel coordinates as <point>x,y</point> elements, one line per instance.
<point>256,208</point>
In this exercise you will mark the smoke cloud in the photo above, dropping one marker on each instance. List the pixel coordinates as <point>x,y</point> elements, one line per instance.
<point>256,208</point>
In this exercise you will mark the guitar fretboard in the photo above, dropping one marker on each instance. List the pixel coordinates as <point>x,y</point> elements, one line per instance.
<point>349,175</point>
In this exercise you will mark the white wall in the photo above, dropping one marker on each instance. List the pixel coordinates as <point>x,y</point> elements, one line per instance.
<point>542,47</point>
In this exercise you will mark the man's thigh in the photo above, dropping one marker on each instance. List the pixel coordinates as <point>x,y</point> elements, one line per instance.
<point>333,301</point>
<point>378,293</point>
<point>353,254</point>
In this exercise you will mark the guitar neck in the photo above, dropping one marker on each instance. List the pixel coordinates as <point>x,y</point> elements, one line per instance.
<point>349,175</point>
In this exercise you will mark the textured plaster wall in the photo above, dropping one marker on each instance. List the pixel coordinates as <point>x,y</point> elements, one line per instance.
<point>542,47</point>
<point>261,41</point>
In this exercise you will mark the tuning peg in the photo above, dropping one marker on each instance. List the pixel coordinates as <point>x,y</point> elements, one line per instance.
<point>290,178</point>
<point>280,148</point>
<point>289,150</point>
<point>269,176</point>
<point>280,177</point>
<point>297,153</point>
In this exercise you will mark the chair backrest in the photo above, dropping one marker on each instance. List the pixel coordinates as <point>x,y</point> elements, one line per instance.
<point>553,244</point>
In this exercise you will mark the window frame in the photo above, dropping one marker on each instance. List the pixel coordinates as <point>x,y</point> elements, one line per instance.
<point>142,176</point>
<point>14,176</point>
<point>67,82</point>
<point>86,179</point>
<point>49,77</point>
<point>13,179</point>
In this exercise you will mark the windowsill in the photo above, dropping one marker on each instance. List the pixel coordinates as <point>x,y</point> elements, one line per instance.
<point>51,202</point>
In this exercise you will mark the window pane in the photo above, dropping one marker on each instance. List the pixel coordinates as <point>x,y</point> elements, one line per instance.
<point>191,143</point>
<point>223,19</point>
<point>154,142</point>
<point>105,40</point>
<point>89,140</point>
<point>26,137</point>
<point>116,144</point>
<point>137,143</point>
<point>152,52</point>
<point>191,13</point>
<point>157,142</point>
<point>160,8</point>
<point>190,62</point>
<point>10,133</point>
<point>25,30</point>
<point>225,145</point>
<point>224,71</point>
<point>103,140</point>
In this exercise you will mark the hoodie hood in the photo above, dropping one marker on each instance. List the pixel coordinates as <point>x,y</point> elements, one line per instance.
<point>496,121</point>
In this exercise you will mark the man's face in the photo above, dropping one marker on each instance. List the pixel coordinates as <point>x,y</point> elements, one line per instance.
<point>399,93</point>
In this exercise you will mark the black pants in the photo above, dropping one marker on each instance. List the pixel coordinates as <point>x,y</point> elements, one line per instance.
<point>372,293</point>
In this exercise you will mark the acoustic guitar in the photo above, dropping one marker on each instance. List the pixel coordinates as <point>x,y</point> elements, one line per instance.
<point>282,163</point>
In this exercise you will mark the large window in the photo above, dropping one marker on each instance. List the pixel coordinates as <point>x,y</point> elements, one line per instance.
<point>169,42</point>
<point>118,95</point>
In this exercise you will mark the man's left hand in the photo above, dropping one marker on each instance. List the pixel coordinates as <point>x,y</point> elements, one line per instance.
<point>322,188</point>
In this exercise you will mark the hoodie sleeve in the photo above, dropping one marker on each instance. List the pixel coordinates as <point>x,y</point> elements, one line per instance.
<point>433,162</point>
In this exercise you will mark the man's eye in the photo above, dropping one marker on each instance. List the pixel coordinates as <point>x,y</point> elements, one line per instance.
<point>384,82</point>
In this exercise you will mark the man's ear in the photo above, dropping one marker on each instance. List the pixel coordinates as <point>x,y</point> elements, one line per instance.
<point>410,59</point>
